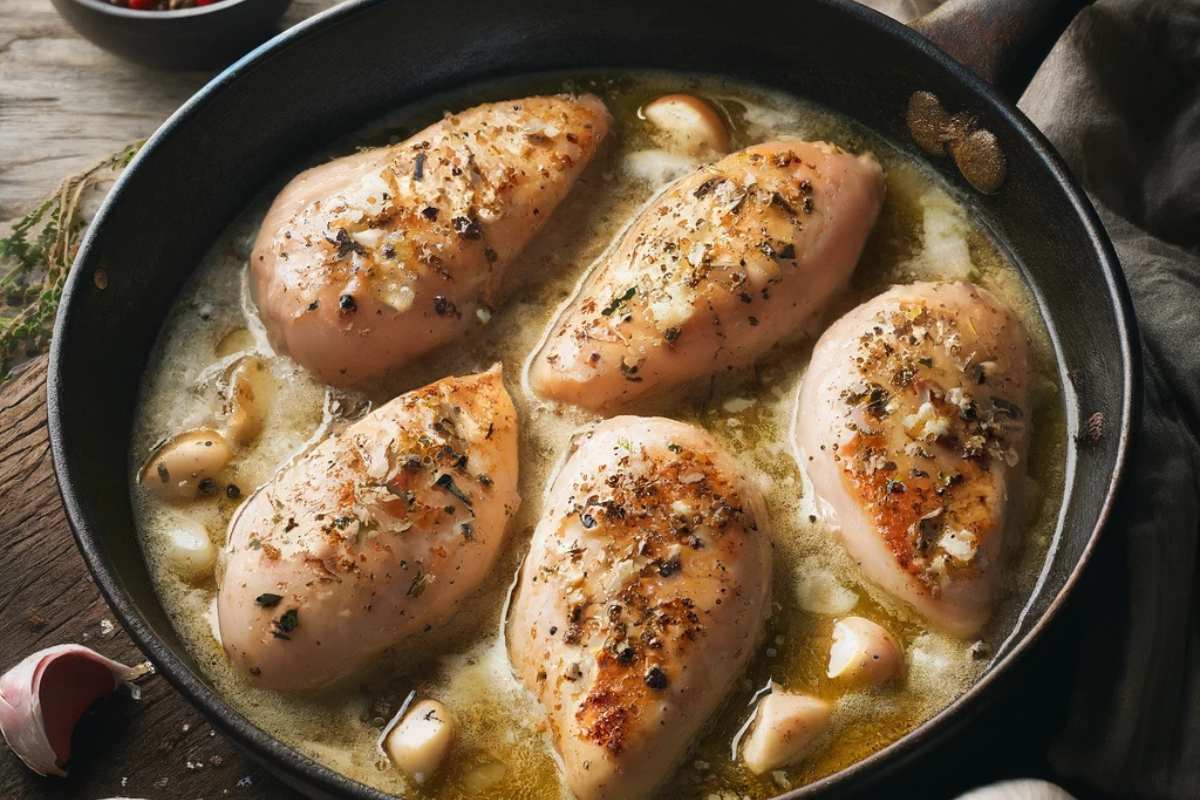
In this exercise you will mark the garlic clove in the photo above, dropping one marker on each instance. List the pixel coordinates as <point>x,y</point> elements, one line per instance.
<point>421,741</point>
<point>190,553</point>
<point>785,727</point>
<point>864,654</point>
<point>179,468</point>
<point>689,123</point>
<point>43,697</point>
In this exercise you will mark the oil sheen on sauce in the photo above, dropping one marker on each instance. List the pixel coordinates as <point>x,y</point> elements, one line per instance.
<point>924,232</point>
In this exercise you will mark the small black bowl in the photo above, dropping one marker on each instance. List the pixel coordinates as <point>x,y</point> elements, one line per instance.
<point>204,37</point>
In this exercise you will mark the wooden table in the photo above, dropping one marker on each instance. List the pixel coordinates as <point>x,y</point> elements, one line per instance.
<point>65,104</point>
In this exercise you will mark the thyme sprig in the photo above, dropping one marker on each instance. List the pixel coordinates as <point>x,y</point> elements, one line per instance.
<point>35,258</point>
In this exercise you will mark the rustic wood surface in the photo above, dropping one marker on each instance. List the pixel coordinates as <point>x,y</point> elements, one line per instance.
<point>65,104</point>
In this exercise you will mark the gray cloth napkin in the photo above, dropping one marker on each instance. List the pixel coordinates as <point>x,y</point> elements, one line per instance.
<point>1119,96</point>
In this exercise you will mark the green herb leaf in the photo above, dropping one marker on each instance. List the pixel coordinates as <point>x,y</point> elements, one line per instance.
<point>446,482</point>
<point>419,582</point>
<point>286,624</point>
<point>618,301</point>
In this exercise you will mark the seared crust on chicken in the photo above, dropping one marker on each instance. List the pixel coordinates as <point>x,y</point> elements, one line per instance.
<point>641,600</point>
<point>725,263</point>
<point>913,425</point>
<point>366,262</point>
<point>372,537</point>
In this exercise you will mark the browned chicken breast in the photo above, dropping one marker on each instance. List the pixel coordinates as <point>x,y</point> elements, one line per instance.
<point>913,426</point>
<point>642,598</point>
<point>372,537</point>
<point>725,263</point>
<point>366,262</point>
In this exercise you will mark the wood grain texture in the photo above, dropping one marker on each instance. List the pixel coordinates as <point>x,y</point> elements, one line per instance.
<point>65,104</point>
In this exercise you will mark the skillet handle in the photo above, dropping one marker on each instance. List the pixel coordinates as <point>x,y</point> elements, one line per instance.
<point>1001,41</point>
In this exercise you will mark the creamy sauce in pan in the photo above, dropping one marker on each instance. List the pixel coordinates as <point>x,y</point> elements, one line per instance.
<point>924,232</point>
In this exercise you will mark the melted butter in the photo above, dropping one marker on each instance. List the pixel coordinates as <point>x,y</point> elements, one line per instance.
<point>502,750</point>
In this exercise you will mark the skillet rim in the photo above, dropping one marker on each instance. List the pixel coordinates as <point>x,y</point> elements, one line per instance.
<point>296,768</point>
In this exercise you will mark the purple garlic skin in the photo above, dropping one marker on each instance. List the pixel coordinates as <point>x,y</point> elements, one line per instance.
<point>43,697</point>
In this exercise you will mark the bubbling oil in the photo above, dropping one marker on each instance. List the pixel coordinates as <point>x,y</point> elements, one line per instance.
<point>925,231</point>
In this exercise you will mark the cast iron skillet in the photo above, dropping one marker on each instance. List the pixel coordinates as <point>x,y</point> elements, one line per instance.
<point>333,73</point>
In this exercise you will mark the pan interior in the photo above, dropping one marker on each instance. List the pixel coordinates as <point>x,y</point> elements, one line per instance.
<point>928,230</point>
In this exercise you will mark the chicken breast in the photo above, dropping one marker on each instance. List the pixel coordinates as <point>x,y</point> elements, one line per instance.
<point>373,536</point>
<point>641,600</point>
<point>913,426</point>
<point>725,263</point>
<point>368,261</point>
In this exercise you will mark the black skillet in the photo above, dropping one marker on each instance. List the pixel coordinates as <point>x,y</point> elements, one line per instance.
<point>340,69</point>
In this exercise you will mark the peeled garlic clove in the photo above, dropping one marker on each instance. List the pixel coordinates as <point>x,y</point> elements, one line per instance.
<point>422,739</point>
<point>190,552</point>
<point>44,696</point>
<point>247,397</point>
<point>785,727</point>
<point>864,654</point>
<point>176,470</point>
<point>235,341</point>
<point>690,123</point>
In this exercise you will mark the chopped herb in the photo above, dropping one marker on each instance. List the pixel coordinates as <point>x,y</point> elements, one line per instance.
<point>707,187</point>
<point>268,600</point>
<point>346,244</point>
<point>780,202</point>
<point>419,167</point>
<point>419,582</point>
<point>618,301</point>
<point>283,627</point>
<point>446,483</point>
